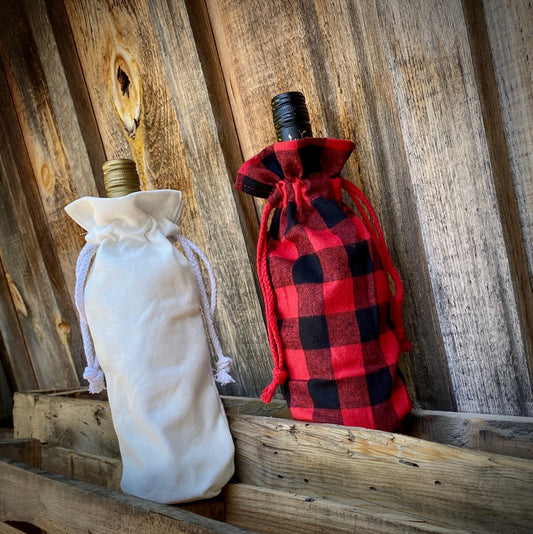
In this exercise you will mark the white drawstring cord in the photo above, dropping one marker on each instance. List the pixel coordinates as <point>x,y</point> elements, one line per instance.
<point>222,375</point>
<point>93,373</point>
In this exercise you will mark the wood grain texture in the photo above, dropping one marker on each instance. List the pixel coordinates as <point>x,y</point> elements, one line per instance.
<point>499,434</point>
<point>90,508</point>
<point>78,424</point>
<point>51,129</point>
<point>169,126</point>
<point>213,156</point>
<point>440,115</point>
<point>437,95</point>
<point>510,29</point>
<point>32,271</point>
<point>351,466</point>
<point>271,511</point>
<point>16,358</point>
<point>107,472</point>
<point>334,53</point>
<point>100,470</point>
<point>83,423</point>
<point>507,39</point>
<point>470,490</point>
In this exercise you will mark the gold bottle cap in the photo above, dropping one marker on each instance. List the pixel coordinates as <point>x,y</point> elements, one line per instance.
<point>120,177</point>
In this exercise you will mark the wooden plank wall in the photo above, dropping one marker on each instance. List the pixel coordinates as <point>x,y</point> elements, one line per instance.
<point>437,95</point>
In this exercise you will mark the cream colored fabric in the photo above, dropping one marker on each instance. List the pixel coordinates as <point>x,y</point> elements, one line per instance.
<point>143,310</point>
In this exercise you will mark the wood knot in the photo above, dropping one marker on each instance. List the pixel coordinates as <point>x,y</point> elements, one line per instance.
<point>18,301</point>
<point>126,90</point>
<point>47,179</point>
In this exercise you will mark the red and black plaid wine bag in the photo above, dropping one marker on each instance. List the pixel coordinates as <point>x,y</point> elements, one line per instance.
<point>334,322</point>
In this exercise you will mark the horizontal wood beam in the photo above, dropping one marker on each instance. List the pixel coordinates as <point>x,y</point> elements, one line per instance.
<point>92,468</point>
<point>500,434</point>
<point>464,488</point>
<point>76,420</point>
<point>58,504</point>
<point>272,511</point>
<point>342,464</point>
<point>245,506</point>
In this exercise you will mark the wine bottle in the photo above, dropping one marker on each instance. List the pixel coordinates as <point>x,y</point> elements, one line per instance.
<point>120,177</point>
<point>291,118</point>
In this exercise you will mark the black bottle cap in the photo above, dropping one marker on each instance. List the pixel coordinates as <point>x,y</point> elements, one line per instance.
<point>291,118</point>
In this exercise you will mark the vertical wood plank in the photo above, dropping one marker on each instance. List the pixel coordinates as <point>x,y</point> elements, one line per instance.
<point>15,356</point>
<point>49,124</point>
<point>165,117</point>
<point>26,252</point>
<point>52,120</point>
<point>213,178</point>
<point>334,52</point>
<point>508,28</point>
<point>452,179</point>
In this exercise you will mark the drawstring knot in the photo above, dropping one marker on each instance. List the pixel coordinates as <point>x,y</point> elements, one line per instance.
<point>95,377</point>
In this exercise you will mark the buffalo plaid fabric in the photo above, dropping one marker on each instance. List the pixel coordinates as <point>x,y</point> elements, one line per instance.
<point>333,319</point>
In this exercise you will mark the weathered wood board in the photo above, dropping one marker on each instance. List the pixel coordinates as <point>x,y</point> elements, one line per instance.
<point>246,506</point>
<point>343,72</point>
<point>90,507</point>
<point>27,451</point>
<point>55,419</point>
<point>37,317</point>
<point>78,424</point>
<point>512,436</point>
<point>399,79</point>
<point>464,488</point>
<point>437,96</point>
<point>99,470</point>
<point>440,116</point>
<point>272,511</point>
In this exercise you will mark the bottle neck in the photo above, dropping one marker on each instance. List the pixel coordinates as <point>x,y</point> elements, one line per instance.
<point>120,177</point>
<point>290,115</point>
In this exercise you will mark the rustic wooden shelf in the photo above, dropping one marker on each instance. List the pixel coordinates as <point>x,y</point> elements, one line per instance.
<point>291,476</point>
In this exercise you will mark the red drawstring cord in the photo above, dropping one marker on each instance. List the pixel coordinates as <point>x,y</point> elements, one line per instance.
<point>362,202</point>
<point>274,337</point>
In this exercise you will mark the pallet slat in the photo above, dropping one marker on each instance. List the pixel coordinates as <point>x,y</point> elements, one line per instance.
<point>500,434</point>
<point>76,420</point>
<point>465,488</point>
<point>391,470</point>
<point>272,512</point>
<point>90,508</point>
<point>245,506</point>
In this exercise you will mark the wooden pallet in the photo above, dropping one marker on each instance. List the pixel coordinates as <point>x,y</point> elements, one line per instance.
<point>64,472</point>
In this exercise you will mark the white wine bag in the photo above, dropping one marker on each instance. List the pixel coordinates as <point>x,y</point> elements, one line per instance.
<point>142,304</point>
